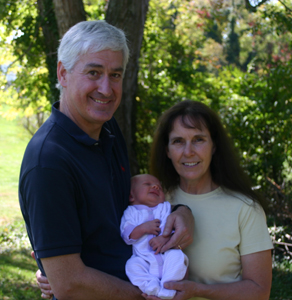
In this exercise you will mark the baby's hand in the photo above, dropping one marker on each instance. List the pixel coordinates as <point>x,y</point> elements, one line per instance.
<point>158,242</point>
<point>149,227</point>
<point>152,227</point>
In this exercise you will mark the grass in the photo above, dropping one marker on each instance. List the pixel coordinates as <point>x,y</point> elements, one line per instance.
<point>13,140</point>
<point>17,268</point>
<point>17,279</point>
<point>282,284</point>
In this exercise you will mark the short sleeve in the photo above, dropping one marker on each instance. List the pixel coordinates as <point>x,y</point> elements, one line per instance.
<point>254,234</point>
<point>50,210</point>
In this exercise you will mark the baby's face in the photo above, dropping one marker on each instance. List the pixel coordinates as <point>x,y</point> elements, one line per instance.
<point>146,189</point>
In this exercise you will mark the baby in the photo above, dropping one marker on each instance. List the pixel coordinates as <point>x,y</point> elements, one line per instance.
<point>141,225</point>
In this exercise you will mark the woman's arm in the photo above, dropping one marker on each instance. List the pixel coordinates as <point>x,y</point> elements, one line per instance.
<point>255,284</point>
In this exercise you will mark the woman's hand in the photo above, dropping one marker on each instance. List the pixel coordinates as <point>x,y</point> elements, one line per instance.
<point>184,290</point>
<point>182,221</point>
<point>44,285</point>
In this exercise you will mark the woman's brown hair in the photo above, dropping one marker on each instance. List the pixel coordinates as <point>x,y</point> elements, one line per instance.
<point>225,165</point>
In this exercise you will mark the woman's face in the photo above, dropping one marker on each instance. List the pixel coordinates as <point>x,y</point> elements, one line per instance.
<point>191,150</point>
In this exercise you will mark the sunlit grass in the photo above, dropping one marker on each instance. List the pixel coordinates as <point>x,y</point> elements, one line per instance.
<point>13,140</point>
<point>17,276</point>
<point>17,267</point>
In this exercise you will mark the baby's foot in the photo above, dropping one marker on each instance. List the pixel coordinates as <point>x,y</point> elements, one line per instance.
<point>166,294</point>
<point>152,288</point>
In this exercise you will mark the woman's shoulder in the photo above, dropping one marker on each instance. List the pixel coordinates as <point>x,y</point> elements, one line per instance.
<point>237,196</point>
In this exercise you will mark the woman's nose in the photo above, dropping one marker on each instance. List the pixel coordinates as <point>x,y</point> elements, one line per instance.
<point>189,149</point>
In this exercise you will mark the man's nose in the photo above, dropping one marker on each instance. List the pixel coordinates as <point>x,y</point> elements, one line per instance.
<point>104,86</point>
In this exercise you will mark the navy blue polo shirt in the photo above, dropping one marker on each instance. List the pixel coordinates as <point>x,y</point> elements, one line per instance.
<point>73,191</point>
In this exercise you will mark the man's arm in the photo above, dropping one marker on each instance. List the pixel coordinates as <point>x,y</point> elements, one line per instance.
<point>182,222</point>
<point>71,279</point>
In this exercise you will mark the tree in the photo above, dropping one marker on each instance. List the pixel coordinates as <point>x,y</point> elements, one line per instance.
<point>68,13</point>
<point>48,23</point>
<point>129,15</point>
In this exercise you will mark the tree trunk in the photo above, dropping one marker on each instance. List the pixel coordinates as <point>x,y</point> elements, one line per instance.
<point>130,16</point>
<point>68,13</point>
<point>51,40</point>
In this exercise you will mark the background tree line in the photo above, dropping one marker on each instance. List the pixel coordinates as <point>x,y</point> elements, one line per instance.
<point>233,55</point>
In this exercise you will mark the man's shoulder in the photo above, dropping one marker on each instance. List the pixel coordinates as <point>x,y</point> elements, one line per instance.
<point>44,146</point>
<point>44,136</point>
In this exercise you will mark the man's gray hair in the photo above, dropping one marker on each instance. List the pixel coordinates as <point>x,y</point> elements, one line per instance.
<point>91,37</point>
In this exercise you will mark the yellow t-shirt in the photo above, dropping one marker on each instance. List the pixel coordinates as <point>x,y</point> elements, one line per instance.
<point>226,227</point>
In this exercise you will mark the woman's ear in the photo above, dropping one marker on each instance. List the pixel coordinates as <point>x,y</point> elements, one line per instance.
<point>167,151</point>
<point>213,150</point>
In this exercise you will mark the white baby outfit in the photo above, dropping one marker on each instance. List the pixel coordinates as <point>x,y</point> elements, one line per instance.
<point>145,269</point>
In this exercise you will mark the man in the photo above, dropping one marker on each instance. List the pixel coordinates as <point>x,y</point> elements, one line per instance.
<point>75,177</point>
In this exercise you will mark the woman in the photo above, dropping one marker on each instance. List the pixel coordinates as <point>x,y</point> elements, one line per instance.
<point>230,257</point>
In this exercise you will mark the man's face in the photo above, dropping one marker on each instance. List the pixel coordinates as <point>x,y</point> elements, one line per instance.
<point>92,91</point>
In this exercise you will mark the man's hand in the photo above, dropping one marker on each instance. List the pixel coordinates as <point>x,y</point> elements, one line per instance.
<point>158,242</point>
<point>182,222</point>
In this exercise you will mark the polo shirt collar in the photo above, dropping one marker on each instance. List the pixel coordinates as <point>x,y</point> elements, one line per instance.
<point>76,132</point>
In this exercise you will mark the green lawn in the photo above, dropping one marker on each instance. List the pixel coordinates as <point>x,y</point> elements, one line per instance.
<point>17,268</point>
<point>13,140</point>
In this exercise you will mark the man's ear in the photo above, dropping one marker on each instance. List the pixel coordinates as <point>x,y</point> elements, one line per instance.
<point>62,74</point>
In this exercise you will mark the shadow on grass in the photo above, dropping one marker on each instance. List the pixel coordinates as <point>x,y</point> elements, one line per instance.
<point>20,259</point>
<point>282,285</point>
<point>17,276</point>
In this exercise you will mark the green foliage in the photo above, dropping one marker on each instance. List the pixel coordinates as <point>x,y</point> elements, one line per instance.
<point>31,58</point>
<point>282,238</point>
<point>14,236</point>
<point>30,92</point>
<point>253,97</point>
